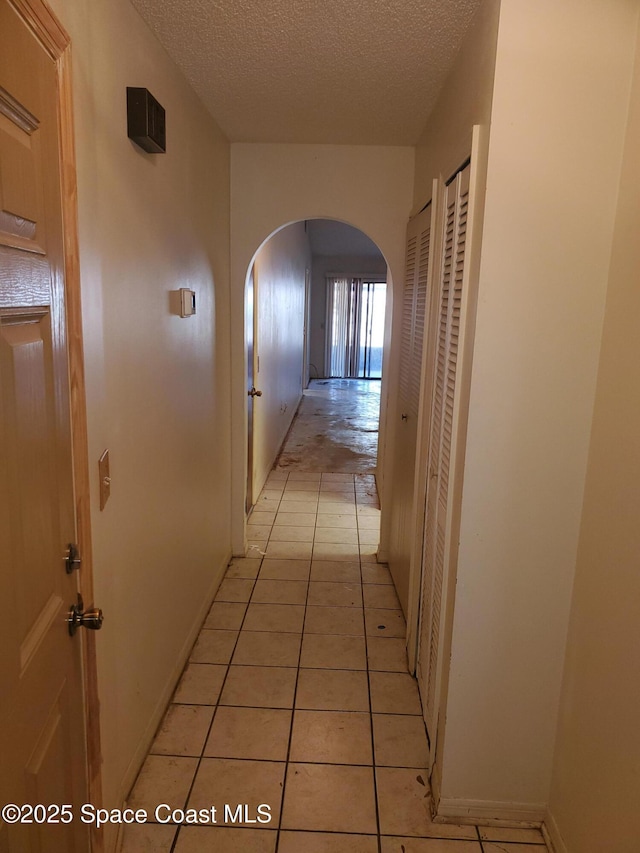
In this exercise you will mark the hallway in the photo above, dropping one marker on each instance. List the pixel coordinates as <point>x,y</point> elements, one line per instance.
<point>297,695</point>
<point>125,350</point>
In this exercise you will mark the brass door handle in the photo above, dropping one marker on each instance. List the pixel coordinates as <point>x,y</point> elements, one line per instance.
<point>78,617</point>
<point>254,393</point>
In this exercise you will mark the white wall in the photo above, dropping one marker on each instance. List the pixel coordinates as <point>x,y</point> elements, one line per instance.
<point>272,185</point>
<point>157,385</point>
<point>594,794</point>
<point>557,128</point>
<point>322,266</point>
<point>464,101</point>
<point>279,281</point>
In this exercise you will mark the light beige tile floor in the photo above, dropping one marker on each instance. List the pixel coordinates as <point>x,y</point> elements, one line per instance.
<point>297,699</point>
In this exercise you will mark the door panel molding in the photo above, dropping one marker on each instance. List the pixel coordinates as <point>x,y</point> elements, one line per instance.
<point>50,32</point>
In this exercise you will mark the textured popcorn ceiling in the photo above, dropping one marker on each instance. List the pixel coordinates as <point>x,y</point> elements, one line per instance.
<point>338,71</point>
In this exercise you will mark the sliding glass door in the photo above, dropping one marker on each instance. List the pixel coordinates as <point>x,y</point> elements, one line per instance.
<point>372,329</point>
<point>355,327</point>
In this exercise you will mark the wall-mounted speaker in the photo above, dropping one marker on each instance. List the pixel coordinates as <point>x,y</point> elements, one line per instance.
<point>145,121</point>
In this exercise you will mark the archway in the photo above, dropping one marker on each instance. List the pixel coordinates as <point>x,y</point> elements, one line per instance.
<point>288,339</point>
<point>272,186</point>
<point>314,312</point>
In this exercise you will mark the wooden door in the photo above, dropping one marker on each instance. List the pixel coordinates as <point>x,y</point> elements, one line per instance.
<point>444,403</point>
<point>414,312</point>
<point>42,727</point>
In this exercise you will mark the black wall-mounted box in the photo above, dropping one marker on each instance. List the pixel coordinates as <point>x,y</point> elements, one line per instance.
<point>145,121</point>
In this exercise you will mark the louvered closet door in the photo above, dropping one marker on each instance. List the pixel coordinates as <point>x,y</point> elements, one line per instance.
<point>436,544</point>
<point>414,305</point>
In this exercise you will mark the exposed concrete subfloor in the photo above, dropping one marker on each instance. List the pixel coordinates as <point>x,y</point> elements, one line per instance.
<point>335,428</point>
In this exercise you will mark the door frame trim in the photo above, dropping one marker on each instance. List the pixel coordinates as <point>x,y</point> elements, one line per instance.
<point>250,352</point>
<point>57,43</point>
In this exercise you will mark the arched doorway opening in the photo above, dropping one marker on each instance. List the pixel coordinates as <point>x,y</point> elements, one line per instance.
<point>317,321</point>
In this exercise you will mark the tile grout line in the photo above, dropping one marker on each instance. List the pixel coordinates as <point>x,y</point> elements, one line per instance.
<point>281,761</point>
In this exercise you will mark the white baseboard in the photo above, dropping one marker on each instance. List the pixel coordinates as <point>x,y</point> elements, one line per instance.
<point>489,812</point>
<point>146,740</point>
<point>552,836</point>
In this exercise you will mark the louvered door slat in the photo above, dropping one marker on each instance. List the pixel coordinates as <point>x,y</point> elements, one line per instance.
<point>406,332</point>
<point>419,320</point>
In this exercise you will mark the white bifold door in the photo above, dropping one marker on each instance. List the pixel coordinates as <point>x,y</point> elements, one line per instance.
<point>415,299</point>
<point>444,411</point>
<point>430,432</point>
